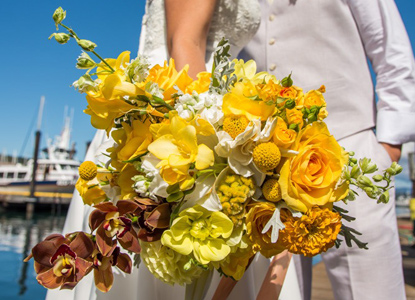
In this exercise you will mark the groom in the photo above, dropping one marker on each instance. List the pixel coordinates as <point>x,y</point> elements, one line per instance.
<point>328,42</point>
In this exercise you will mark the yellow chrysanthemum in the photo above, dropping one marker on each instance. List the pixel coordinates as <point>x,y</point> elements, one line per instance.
<point>233,193</point>
<point>235,125</point>
<point>313,233</point>
<point>88,170</point>
<point>271,190</point>
<point>266,156</point>
<point>168,265</point>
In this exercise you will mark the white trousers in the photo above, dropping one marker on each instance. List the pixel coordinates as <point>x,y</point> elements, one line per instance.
<point>358,274</point>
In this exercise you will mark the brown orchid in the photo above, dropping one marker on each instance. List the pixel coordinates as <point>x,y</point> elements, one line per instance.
<point>153,219</point>
<point>111,225</point>
<point>62,261</point>
<point>103,275</point>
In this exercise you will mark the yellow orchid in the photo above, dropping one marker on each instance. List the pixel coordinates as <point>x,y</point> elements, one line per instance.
<point>201,232</point>
<point>176,146</point>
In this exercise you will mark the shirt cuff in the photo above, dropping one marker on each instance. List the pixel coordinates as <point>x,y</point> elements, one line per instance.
<point>395,127</point>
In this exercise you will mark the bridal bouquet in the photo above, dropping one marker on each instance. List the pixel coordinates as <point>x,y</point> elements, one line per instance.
<point>203,174</point>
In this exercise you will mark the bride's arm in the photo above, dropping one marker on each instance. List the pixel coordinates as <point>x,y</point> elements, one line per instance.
<point>187,24</point>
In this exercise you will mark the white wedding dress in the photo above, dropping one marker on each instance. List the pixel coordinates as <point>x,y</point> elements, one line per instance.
<point>236,20</point>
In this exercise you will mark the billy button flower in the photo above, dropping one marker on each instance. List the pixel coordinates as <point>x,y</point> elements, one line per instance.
<point>235,125</point>
<point>271,190</point>
<point>233,192</point>
<point>88,170</point>
<point>62,261</point>
<point>266,156</point>
<point>110,222</point>
<point>102,265</point>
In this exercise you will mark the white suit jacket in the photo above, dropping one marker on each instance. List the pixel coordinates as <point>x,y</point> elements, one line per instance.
<point>329,42</point>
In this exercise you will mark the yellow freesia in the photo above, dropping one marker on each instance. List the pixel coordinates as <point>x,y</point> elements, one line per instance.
<point>201,232</point>
<point>132,141</point>
<point>167,77</point>
<point>108,102</point>
<point>90,192</point>
<point>177,148</point>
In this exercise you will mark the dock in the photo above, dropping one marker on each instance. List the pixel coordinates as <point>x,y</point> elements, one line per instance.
<point>321,287</point>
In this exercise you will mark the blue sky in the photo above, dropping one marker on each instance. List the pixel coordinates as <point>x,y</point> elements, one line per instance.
<point>33,66</point>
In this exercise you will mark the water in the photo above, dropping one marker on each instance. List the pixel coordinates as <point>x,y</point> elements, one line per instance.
<point>17,237</point>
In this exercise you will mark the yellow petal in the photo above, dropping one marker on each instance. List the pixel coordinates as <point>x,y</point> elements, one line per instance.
<point>205,157</point>
<point>163,147</point>
<point>183,246</point>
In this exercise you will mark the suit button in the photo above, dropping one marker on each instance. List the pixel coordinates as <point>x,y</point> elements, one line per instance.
<point>271,41</point>
<point>271,17</point>
<point>272,67</point>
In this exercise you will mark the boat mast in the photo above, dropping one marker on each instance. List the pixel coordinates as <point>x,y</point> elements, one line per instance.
<point>36,151</point>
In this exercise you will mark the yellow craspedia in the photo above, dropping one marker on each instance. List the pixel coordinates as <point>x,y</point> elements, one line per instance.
<point>234,125</point>
<point>271,190</point>
<point>266,156</point>
<point>88,170</point>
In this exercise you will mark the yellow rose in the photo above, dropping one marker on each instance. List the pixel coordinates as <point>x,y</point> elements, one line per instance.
<point>238,102</point>
<point>282,136</point>
<point>295,116</point>
<point>313,98</point>
<point>292,92</point>
<point>258,216</point>
<point>269,90</point>
<point>310,177</point>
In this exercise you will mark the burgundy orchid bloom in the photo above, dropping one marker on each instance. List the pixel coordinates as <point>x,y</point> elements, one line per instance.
<point>111,224</point>
<point>61,261</point>
<point>103,275</point>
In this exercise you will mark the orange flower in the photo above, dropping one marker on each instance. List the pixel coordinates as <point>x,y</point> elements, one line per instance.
<point>282,136</point>
<point>313,233</point>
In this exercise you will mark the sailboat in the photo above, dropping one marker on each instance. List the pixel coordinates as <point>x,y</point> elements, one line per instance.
<point>56,175</point>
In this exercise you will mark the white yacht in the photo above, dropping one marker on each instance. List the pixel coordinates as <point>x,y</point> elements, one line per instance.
<point>57,170</point>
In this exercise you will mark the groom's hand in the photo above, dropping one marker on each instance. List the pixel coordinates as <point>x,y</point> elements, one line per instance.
<point>394,151</point>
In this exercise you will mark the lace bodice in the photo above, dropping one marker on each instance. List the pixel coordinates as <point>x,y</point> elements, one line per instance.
<point>236,20</point>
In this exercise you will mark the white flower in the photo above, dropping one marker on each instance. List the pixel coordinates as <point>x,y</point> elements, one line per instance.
<point>153,89</point>
<point>157,186</point>
<point>137,70</point>
<point>141,185</point>
<point>212,110</point>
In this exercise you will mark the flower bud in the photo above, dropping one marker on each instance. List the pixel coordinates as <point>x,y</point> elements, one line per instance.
<point>355,171</point>
<point>87,45</point>
<point>84,61</point>
<point>365,181</point>
<point>353,160</point>
<point>290,104</point>
<point>367,166</point>
<point>351,153</point>
<point>287,81</point>
<point>384,198</point>
<point>377,178</point>
<point>61,38</point>
<point>85,84</point>
<point>312,117</point>
<point>58,16</point>
<point>396,167</point>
